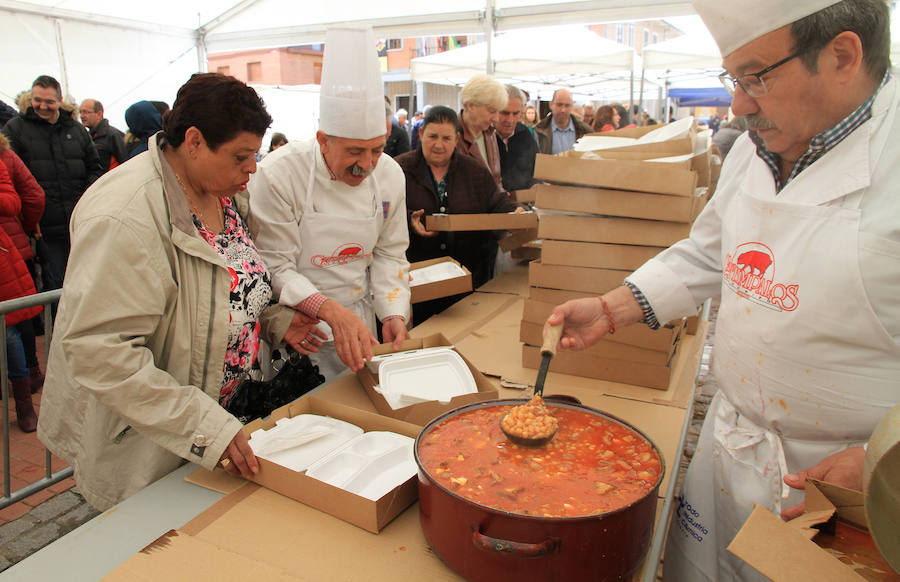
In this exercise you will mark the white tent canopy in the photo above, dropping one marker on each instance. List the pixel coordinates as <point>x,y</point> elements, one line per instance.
<point>121,52</point>
<point>528,54</point>
<point>693,51</point>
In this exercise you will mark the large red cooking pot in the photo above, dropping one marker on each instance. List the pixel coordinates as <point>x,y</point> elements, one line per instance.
<point>486,544</point>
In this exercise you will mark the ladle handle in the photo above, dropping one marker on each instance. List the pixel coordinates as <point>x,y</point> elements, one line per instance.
<point>551,339</point>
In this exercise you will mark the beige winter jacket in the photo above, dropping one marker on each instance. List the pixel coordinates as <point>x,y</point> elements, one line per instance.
<point>137,357</point>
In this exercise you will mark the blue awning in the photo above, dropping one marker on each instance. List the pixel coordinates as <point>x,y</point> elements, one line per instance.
<point>701,97</point>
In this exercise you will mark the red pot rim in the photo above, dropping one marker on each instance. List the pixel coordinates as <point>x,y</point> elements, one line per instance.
<point>504,401</point>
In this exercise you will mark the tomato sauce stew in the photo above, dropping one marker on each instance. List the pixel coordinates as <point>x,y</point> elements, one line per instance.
<point>593,464</point>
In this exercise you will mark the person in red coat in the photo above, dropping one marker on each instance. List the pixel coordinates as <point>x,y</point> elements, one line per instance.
<point>15,281</point>
<point>19,228</point>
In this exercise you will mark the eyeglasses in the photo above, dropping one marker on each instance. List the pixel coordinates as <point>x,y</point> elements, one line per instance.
<point>752,83</point>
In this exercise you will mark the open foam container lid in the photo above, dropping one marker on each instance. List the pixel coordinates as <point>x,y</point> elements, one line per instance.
<point>423,376</point>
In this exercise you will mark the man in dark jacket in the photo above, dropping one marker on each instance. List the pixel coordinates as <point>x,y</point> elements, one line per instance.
<point>109,141</point>
<point>62,157</point>
<point>559,131</point>
<point>518,147</point>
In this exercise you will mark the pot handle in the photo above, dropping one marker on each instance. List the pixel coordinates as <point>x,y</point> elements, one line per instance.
<point>520,549</point>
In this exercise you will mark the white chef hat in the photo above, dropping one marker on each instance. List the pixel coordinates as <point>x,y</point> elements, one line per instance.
<point>734,23</point>
<point>351,97</point>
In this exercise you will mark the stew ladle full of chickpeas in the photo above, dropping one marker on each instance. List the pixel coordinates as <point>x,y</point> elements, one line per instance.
<point>533,424</point>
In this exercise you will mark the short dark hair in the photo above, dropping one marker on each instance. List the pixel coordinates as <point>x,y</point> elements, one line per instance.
<point>219,106</point>
<point>98,107</point>
<point>48,82</point>
<point>441,114</point>
<point>277,140</point>
<point>869,19</point>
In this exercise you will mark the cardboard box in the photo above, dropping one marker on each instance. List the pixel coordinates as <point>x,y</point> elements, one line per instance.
<point>532,334</point>
<point>497,221</point>
<point>555,296</point>
<point>656,177</point>
<point>522,195</point>
<point>584,279</point>
<point>365,513</point>
<point>517,238</point>
<point>784,551</point>
<point>592,366</point>
<point>528,252</point>
<point>421,414</point>
<point>620,202</point>
<point>672,147</point>
<point>638,335</point>
<point>596,255</point>
<point>625,231</point>
<point>438,289</point>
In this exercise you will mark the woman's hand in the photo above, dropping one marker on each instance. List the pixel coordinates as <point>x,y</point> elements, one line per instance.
<point>415,220</point>
<point>238,459</point>
<point>844,468</point>
<point>302,334</point>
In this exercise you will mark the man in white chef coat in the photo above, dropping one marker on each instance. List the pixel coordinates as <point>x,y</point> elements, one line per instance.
<point>801,242</point>
<point>329,214</point>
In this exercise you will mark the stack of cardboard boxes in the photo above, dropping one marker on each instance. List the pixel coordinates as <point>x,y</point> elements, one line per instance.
<point>604,214</point>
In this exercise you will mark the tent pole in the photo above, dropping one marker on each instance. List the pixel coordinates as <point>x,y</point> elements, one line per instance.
<point>640,119</point>
<point>489,35</point>
<point>61,55</point>
<point>631,91</point>
<point>202,63</point>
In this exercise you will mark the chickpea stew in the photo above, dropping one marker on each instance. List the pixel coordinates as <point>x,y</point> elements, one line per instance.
<point>593,465</point>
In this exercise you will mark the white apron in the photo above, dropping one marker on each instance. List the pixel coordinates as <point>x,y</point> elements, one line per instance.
<point>335,255</point>
<point>805,368</point>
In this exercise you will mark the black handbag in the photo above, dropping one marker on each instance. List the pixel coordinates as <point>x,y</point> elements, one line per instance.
<point>254,399</point>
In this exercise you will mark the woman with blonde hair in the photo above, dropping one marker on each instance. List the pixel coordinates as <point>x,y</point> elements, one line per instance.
<point>482,99</point>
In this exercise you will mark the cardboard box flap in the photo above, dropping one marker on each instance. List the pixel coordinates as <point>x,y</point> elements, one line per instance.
<point>783,553</point>
<point>848,503</point>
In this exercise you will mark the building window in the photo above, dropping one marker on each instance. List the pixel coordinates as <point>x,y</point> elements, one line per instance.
<point>395,43</point>
<point>226,70</point>
<point>254,72</point>
<point>656,38</point>
<point>646,37</point>
<point>630,35</point>
<point>620,33</point>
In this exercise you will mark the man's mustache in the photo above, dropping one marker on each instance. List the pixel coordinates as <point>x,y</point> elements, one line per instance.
<point>756,122</point>
<point>358,170</point>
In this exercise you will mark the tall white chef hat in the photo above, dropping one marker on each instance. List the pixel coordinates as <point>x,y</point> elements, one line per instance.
<point>351,97</point>
<point>734,23</point>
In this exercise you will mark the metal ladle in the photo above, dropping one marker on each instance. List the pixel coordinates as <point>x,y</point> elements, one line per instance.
<point>548,350</point>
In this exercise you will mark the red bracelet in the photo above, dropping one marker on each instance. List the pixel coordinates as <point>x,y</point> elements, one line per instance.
<point>609,317</point>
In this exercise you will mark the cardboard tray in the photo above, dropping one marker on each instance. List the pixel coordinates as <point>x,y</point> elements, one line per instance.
<point>497,221</point>
<point>421,414</point>
<point>655,177</point>
<point>583,279</point>
<point>591,366</point>
<point>532,334</point>
<point>626,231</point>
<point>620,202</point>
<point>438,289</point>
<point>794,550</point>
<point>672,147</point>
<point>596,255</point>
<point>365,513</point>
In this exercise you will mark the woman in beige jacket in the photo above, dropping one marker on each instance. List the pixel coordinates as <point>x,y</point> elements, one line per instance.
<point>164,304</point>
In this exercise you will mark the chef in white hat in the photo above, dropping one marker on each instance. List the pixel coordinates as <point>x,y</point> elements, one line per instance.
<point>801,243</point>
<point>329,214</point>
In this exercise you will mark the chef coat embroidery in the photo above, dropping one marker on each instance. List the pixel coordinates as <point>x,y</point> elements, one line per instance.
<point>385,208</point>
<point>346,253</point>
<point>750,272</point>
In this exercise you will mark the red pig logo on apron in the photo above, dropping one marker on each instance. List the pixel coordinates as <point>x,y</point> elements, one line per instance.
<point>750,272</point>
<point>342,255</point>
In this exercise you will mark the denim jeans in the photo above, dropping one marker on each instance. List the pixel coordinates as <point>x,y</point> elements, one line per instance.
<point>15,355</point>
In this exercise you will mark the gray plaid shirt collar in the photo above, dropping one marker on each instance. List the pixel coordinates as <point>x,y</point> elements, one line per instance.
<point>821,143</point>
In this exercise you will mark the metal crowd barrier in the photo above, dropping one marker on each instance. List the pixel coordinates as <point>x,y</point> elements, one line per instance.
<point>9,497</point>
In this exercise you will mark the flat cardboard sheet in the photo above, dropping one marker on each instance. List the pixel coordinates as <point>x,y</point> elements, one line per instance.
<point>466,222</point>
<point>178,557</point>
<point>624,231</point>
<point>465,315</point>
<point>513,282</point>
<point>619,202</point>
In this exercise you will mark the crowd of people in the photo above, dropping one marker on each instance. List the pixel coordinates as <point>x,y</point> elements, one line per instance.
<point>181,254</point>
